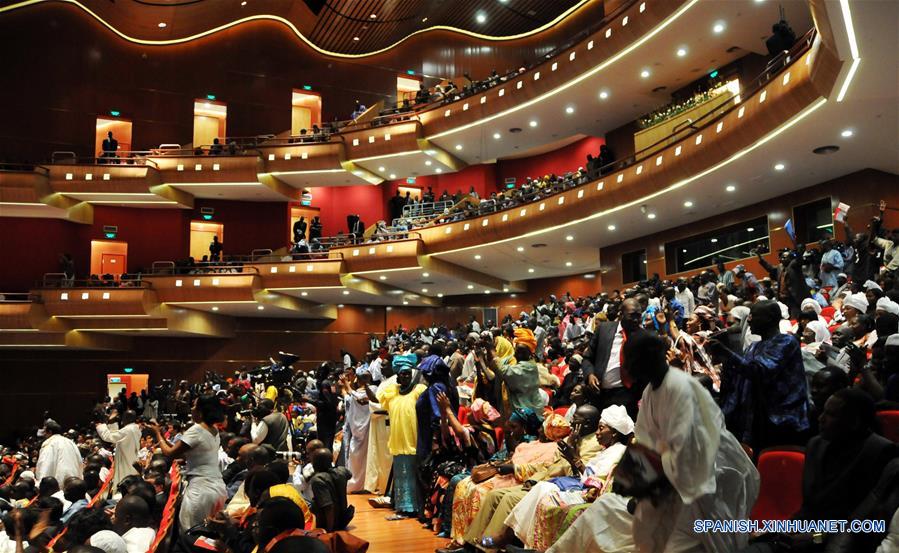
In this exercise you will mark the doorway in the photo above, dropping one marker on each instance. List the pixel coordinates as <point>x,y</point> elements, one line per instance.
<point>109,257</point>
<point>295,213</point>
<point>121,133</point>
<point>306,110</point>
<point>201,234</point>
<point>136,383</point>
<point>210,119</point>
<point>406,89</point>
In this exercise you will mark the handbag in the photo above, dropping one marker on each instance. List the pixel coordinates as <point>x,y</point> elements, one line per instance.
<point>481,473</point>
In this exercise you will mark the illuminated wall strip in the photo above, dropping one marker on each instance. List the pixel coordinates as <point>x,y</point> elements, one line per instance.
<point>633,46</point>
<point>385,156</point>
<point>139,202</point>
<point>293,28</point>
<point>783,128</point>
<point>310,172</point>
<point>853,49</point>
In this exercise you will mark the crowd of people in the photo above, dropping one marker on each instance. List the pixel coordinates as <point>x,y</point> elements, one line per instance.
<point>608,422</point>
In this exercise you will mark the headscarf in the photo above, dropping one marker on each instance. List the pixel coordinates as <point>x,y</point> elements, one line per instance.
<point>871,285</point>
<point>363,369</point>
<point>740,312</point>
<point>887,305</point>
<point>616,416</point>
<point>525,337</point>
<point>858,301</point>
<point>556,427</point>
<point>504,349</point>
<point>404,361</point>
<point>808,304</point>
<point>433,365</point>
<point>482,411</point>
<point>822,333</point>
<point>291,493</point>
<point>108,541</point>
<point>707,314</point>
<point>527,418</point>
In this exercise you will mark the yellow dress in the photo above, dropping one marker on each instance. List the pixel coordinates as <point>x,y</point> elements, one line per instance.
<point>403,420</point>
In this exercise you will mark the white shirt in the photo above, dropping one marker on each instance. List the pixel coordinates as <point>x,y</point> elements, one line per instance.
<point>347,361</point>
<point>375,368</point>
<point>139,540</point>
<point>203,456</point>
<point>59,458</point>
<point>686,299</point>
<point>258,431</point>
<point>468,367</point>
<point>475,327</point>
<point>612,376</point>
<point>127,446</point>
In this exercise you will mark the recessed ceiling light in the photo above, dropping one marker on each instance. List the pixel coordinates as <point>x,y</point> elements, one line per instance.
<point>645,73</point>
<point>683,251</point>
<point>730,188</point>
<point>439,170</point>
<point>215,308</point>
<point>423,19</point>
<point>458,146</point>
<point>392,176</point>
<point>718,27</point>
<point>424,290</point>
<point>355,39</point>
<point>650,215</point>
<point>569,110</point>
<point>533,123</point>
<point>750,229</point>
<point>405,303</point>
<point>477,256</point>
<point>486,291</point>
<point>425,275</point>
<point>439,294</point>
<point>847,133</point>
<point>569,238</point>
<point>382,277</point>
<point>481,18</point>
<point>497,136</point>
<point>163,25</point>
<point>681,52</point>
<point>373,16</point>
<point>346,292</point>
<point>244,3</point>
<point>520,248</point>
<point>688,203</point>
<point>428,162</point>
<point>603,95</point>
<point>471,286</point>
<point>568,263</point>
<point>779,167</point>
<point>714,240</point>
<point>260,308</point>
<point>531,270</point>
<point>304,293</point>
<point>381,169</point>
<point>611,227</point>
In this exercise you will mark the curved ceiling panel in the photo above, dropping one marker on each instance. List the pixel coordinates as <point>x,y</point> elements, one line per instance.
<point>340,28</point>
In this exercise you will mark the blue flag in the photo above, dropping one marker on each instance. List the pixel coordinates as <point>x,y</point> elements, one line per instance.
<point>788,226</point>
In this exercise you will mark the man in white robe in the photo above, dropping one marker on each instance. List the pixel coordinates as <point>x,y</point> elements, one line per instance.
<point>355,433</point>
<point>59,456</point>
<point>127,444</point>
<point>378,458</point>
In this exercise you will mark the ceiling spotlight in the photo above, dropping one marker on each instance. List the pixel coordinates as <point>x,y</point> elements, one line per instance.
<point>477,256</point>
<point>392,176</point>
<point>259,307</point>
<point>425,275</point>
<point>471,286</point>
<point>405,302</point>
<point>650,215</point>
<point>486,291</point>
<point>714,240</point>
<point>718,28</point>
<point>382,277</point>
<point>531,270</point>
<point>568,263</point>
<point>569,110</point>
<point>373,16</point>
<point>644,73</point>
<point>533,123</point>
<point>215,308</point>
<point>381,169</point>
<point>424,290</point>
<point>163,25</point>
<point>496,136</point>
<point>780,167</point>
<point>428,162</point>
<point>423,19</point>
<point>611,227</point>
<point>519,249</point>
<point>346,292</point>
<point>481,18</point>
<point>730,188</point>
<point>440,295</point>
<point>847,133</point>
<point>244,3</point>
<point>681,52</point>
<point>688,203</point>
<point>603,95</point>
<point>439,170</point>
<point>569,238</point>
<point>750,229</point>
<point>458,146</point>
<point>304,293</point>
<point>355,39</point>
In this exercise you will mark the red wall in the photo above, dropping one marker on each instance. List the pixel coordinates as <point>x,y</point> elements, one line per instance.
<point>31,247</point>
<point>151,234</point>
<point>336,202</point>
<point>562,160</point>
<point>248,225</point>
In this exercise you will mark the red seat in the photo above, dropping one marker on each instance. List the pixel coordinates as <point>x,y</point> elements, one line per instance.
<point>463,414</point>
<point>889,424</point>
<point>780,493</point>
<point>498,431</point>
<point>828,312</point>
<point>561,411</point>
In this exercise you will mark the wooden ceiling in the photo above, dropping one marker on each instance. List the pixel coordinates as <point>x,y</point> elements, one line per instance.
<point>340,22</point>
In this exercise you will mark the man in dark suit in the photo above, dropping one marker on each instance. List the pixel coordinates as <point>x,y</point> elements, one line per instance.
<point>602,360</point>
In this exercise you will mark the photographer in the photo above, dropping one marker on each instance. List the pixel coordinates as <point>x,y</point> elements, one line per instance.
<point>126,440</point>
<point>269,426</point>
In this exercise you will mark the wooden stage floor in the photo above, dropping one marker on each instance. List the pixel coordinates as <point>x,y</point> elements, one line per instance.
<point>385,536</point>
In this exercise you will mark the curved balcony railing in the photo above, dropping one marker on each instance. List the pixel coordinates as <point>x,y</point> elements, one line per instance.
<point>60,280</point>
<point>23,168</point>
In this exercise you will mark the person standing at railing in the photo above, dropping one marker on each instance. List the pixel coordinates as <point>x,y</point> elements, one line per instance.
<point>299,230</point>
<point>110,146</point>
<point>315,229</point>
<point>215,249</point>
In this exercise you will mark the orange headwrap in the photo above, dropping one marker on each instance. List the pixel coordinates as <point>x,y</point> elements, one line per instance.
<point>525,337</point>
<point>556,427</point>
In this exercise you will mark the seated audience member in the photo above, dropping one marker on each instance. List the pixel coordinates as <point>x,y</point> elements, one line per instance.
<point>329,492</point>
<point>280,530</point>
<point>842,466</point>
<point>132,522</point>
